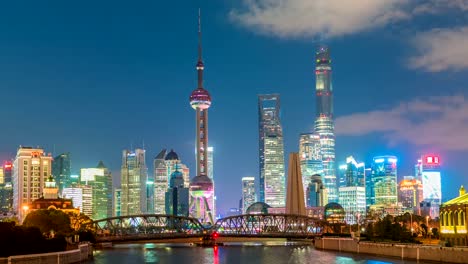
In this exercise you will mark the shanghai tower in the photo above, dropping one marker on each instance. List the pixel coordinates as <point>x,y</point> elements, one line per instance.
<point>324,125</point>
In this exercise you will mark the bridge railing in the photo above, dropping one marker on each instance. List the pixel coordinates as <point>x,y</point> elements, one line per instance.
<point>147,225</point>
<point>269,225</point>
<point>152,226</point>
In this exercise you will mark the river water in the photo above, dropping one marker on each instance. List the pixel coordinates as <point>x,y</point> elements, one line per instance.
<point>245,253</point>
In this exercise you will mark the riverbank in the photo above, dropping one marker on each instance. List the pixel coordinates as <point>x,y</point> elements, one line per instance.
<point>402,251</point>
<point>83,253</point>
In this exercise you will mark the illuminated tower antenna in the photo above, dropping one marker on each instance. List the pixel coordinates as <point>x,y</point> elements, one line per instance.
<point>201,186</point>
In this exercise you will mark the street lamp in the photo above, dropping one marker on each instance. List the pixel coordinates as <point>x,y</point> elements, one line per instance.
<point>25,211</point>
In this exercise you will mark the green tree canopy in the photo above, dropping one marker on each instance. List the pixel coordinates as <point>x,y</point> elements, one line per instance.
<point>48,220</point>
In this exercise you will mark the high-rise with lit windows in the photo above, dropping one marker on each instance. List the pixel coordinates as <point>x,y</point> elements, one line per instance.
<point>31,168</point>
<point>248,192</point>
<point>384,180</point>
<point>429,169</point>
<point>6,188</point>
<point>272,189</point>
<point>134,175</point>
<point>100,181</point>
<point>324,124</point>
<point>61,169</point>
<point>410,193</point>
<point>311,160</point>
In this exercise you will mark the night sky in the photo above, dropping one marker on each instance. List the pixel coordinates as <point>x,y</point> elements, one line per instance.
<point>96,77</point>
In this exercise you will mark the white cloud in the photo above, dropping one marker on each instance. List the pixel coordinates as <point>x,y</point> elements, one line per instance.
<point>439,122</point>
<point>318,18</point>
<point>441,49</point>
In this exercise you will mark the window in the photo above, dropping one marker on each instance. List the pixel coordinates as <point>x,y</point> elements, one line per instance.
<point>25,162</point>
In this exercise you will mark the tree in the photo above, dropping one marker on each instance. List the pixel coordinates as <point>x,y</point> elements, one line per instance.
<point>435,232</point>
<point>79,221</point>
<point>49,221</point>
<point>424,228</point>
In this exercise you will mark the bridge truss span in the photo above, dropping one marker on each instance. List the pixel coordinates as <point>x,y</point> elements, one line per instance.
<point>146,226</point>
<point>269,225</point>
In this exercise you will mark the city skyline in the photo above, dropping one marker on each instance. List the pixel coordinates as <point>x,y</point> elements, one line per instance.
<point>162,82</point>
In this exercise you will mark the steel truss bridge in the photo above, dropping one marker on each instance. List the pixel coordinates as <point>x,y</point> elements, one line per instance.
<point>160,227</point>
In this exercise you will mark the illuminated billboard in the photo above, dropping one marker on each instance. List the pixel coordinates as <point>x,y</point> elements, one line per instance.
<point>431,186</point>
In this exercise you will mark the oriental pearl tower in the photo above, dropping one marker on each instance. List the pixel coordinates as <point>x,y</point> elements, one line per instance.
<point>201,186</point>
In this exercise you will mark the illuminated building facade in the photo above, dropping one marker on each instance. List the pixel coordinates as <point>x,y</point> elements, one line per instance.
<point>311,159</point>
<point>316,193</point>
<point>384,180</point>
<point>352,173</point>
<point>61,169</point>
<point>410,193</point>
<point>100,181</point>
<point>201,186</point>
<point>248,192</point>
<point>161,182</point>
<point>177,195</point>
<point>429,170</point>
<point>6,188</point>
<point>164,165</point>
<point>31,168</point>
<point>324,124</point>
<point>353,201</point>
<point>134,176</point>
<point>453,220</point>
<point>272,189</point>
<point>117,202</point>
<point>211,175</point>
<point>352,191</point>
<point>75,194</point>
<point>50,199</point>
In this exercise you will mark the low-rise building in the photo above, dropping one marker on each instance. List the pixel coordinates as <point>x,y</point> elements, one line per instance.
<point>453,220</point>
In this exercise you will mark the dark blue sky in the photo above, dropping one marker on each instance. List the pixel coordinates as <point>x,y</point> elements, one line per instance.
<point>96,77</point>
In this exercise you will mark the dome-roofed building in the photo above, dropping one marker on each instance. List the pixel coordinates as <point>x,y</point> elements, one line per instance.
<point>172,155</point>
<point>258,208</point>
<point>334,213</point>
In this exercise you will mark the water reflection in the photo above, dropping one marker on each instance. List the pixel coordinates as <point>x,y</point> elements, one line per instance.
<point>277,253</point>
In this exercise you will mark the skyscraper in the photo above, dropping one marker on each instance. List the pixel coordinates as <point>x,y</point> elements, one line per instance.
<point>384,179</point>
<point>352,173</point>
<point>429,168</point>
<point>117,202</point>
<point>177,195</point>
<point>211,176</point>
<point>100,181</point>
<point>160,183</point>
<point>248,192</point>
<point>201,186</point>
<point>61,170</point>
<point>134,177</point>
<point>31,168</point>
<point>311,159</point>
<point>324,124</point>
<point>352,192</point>
<point>410,193</point>
<point>272,189</point>
<point>6,188</point>
<point>316,192</point>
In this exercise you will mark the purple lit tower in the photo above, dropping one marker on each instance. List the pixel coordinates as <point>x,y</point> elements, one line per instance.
<point>201,186</point>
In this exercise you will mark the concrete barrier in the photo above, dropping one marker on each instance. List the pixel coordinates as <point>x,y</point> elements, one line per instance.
<point>402,251</point>
<point>65,257</point>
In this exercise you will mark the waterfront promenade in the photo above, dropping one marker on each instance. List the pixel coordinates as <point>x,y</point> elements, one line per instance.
<point>402,251</point>
<point>83,253</point>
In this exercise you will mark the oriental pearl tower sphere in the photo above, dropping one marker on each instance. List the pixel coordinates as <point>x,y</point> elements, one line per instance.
<point>201,186</point>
